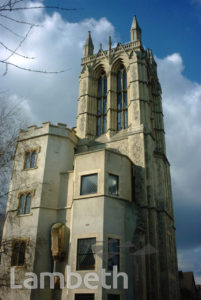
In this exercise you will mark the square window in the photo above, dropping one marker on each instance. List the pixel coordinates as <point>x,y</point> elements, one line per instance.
<point>89,184</point>
<point>18,253</point>
<point>113,184</point>
<point>84,296</point>
<point>113,253</point>
<point>85,254</point>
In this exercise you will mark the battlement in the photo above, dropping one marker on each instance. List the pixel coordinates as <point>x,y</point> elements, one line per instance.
<point>48,128</point>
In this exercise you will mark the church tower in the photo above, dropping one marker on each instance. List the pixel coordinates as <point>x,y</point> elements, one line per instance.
<point>120,109</point>
<point>97,197</point>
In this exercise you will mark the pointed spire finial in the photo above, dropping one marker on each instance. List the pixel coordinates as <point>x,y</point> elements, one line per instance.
<point>135,30</point>
<point>88,46</point>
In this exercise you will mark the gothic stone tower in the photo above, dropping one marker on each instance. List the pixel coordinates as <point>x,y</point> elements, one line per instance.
<point>120,109</point>
<point>99,195</point>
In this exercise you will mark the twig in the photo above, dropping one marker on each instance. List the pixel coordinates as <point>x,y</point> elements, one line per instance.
<point>20,44</point>
<point>10,30</point>
<point>30,70</point>
<point>14,52</point>
<point>39,7</point>
<point>19,21</point>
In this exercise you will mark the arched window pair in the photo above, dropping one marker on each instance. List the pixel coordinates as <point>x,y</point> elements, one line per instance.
<point>24,204</point>
<point>30,159</point>
<point>122,102</point>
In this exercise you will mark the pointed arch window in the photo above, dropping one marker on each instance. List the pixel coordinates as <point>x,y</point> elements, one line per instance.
<point>101,126</point>
<point>122,100</point>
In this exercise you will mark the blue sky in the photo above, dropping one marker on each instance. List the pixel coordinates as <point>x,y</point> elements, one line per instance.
<point>172,29</point>
<point>168,26</point>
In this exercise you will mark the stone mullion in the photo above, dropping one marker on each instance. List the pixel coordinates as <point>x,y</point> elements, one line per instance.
<point>102,104</point>
<point>112,126</point>
<point>109,115</point>
<point>122,101</point>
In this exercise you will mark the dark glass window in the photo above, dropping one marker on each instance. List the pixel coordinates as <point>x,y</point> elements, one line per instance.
<point>113,253</point>
<point>18,253</point>
<point>27,160</point>
<point>30,159</point>
<point>21,204</point>
<point>28,204</point>
<point>119,123</point>
<point>24,204</point>
<point>84,296</point>
<point>122,101</point>
<point>113,297</point>
<point>89,184</point>
<point>85,254</point>
<point>113,184</point>
<point>102,105</point>
<point>33,159</point>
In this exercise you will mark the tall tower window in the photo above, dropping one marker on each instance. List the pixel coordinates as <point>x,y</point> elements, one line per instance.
<point>122,101</point>
<point>18,253</point>
<point>102,105</point>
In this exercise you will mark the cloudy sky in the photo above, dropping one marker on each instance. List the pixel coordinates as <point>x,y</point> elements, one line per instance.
<point>172,30</point>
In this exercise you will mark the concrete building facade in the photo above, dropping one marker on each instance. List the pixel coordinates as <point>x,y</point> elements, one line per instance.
<point>98,195</point>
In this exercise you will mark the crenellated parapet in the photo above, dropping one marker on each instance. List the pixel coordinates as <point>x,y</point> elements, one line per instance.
<point>47,128</point>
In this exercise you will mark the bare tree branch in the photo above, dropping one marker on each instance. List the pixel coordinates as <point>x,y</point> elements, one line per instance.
<point>14,52</point>
<point>20,44</point>
<point>10,4</point>
<point>10,30</point>
<point>19,21</point>
<point>31,70</point>
<point>38,7</point>
<point>9,7</point>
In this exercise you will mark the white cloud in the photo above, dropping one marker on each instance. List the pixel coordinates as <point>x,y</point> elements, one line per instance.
<point>57,45</point>
<point>182,110</point>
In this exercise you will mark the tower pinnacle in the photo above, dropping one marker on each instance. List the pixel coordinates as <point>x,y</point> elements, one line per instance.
<point>88,46</point>
<point>135,30</point>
